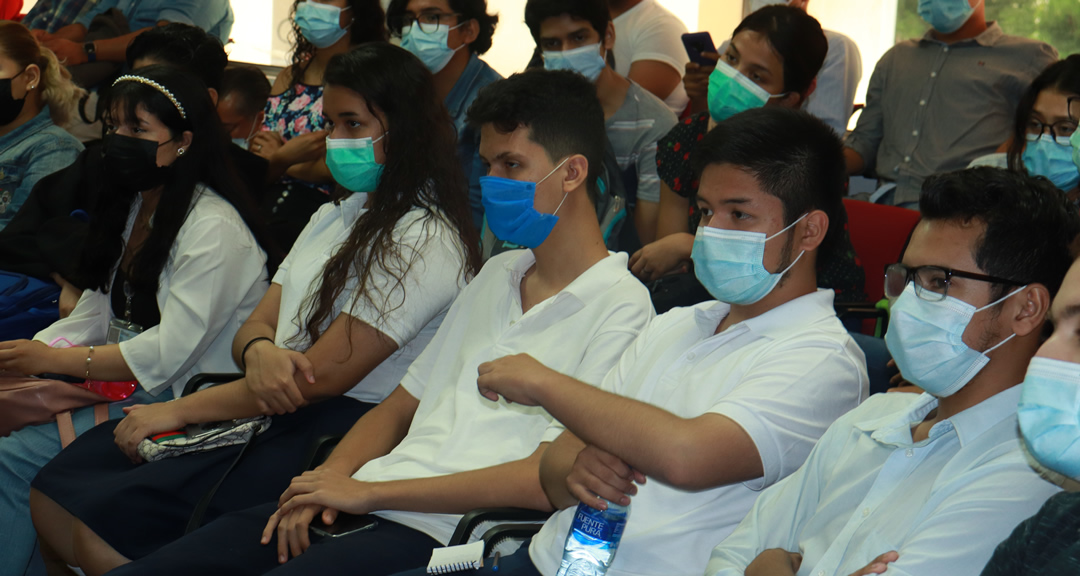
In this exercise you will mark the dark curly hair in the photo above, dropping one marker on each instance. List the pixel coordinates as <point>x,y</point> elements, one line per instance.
<point>469,10</point>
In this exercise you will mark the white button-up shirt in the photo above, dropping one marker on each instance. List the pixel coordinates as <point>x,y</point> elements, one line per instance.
<point>581,331</point>
<point>783,376</point>
<point>943,503</point>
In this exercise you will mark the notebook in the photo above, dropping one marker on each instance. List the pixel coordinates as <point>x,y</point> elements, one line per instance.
<point>457,558</point>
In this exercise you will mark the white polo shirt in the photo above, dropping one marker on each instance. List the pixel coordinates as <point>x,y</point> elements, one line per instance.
<point>783,376</point>
<point>409,313</point>
<point>649,31</point>
<point>581,331</point>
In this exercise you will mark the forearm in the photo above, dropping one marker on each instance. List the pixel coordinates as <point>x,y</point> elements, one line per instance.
<point>555,466</point>
<point>115,49</point>
<point>250,330</point>
<point>674,213</point>
<point>314,171</point>
<point>515,484</point>
<point>375,434</point>
<point>853,161</point>
<point>73,32</point>
<point>224,402</point>
<point>106,363</point>
<point>645,216</point>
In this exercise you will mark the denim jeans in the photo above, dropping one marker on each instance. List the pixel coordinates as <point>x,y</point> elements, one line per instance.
<point>22,454</point>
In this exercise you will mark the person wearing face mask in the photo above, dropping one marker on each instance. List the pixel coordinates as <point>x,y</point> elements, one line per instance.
<point>357,299</point>
<point>929,483</point>
<point>713,402</point>
<point>578,35</point>
<point>938,102</point>
<point>449,36</point>
<point>772,60</point>
<point>37,97</point>
<point>1050,424</point>
<point>834,96</point>
<point>242,102</point>
<point>292,138</point>
<point>176,265</point>
<point>434,449</point>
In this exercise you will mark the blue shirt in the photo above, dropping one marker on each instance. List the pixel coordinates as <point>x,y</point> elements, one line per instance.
<point>214,16</point>
<point>477,74</point>
<point>28,154</point>
<point>942,503</point>
<point>52,15</point>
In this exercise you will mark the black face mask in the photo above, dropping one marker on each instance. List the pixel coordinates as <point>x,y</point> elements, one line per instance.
<point>131,163</point>
<point>9,106</point>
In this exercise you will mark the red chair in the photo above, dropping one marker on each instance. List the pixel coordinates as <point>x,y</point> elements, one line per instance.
<point>10,9</point>
<point>878,235</point>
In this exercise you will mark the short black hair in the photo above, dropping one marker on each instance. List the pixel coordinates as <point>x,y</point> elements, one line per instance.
<point>249,84</point>
<point>595,12</point>
<point>1029,223</point>
<point>469,10</point>
<point>798,39</point>
<point>184,46</point>
<point>560,109</point>
<point>793,155</point>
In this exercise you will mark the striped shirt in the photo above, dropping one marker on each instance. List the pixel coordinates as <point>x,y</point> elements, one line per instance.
<point>634,129</point>
<point>52,15</point>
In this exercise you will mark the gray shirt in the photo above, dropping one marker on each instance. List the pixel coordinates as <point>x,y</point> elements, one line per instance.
<point>634,129</point>
<point>933,107</point>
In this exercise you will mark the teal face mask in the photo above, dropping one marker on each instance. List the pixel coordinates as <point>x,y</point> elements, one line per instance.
<point>430,48</point>
<point>352,162</point>
<point>731,264</point>
<point>1046,157</point>
<point>945,16</point>
<point>320,23</point>
<point>730,93</point>
<point>1049,414</point>
<point>586,61</point>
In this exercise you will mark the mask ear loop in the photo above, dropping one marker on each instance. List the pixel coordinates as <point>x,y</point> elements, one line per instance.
<point>565,194</point>
<point>995,303</point>
<point>789,226</point>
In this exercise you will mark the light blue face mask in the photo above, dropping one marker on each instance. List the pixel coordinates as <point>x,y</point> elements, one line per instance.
<point>926,341</point>
<point>430,48</point>
<point>1044,156</point>
<point>731,264</point>
<point>586,61</point>
<point>946,16</point>
<point>320,23</point>
<point>1074,141</point>
<point>1049,414</point>
<point>352,162</point>
<point>509,206</point>
<point>730,93</point>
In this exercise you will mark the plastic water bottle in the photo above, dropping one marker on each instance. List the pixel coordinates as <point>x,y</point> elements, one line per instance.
<point>593,539</point>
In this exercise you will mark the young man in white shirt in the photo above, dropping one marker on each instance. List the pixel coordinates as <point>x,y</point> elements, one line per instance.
<point>649,49</point>
<point>713,402</point>
<point>578,35</point>
<point>435,448</point>
<point>928,484</point>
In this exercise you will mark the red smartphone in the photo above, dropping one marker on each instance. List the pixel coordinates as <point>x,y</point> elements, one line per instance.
<point>698,43</point>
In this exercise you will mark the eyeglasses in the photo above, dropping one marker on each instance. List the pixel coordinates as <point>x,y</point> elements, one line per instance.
<point>931,282</point>
<point>1060,131</point>
<point>428,21</point>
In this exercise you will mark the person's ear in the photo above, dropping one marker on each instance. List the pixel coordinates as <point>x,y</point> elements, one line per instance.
<point>260,119</point>
<point>1028,309</point>
<point>470,32</point>
<point>186,139</point>
<point>213,95</point>
<point>32,78</point>
<point>814,228</point>
<point>609,37</point>
<point>577,172</point>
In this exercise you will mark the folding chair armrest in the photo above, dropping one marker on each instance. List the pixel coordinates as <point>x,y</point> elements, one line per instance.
<point>503,532</point>
<point>320,450</point>
<point>200,381</point>
<point>468,523</point>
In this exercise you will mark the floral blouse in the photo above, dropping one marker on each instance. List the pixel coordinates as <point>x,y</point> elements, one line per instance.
<point>843,273</point>
<point>298,110</point>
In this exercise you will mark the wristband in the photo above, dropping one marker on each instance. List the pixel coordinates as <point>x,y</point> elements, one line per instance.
<point>91,51</point>
<point>89,358</point>
<point>243,363</point>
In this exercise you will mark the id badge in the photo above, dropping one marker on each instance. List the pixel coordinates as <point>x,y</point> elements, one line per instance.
<point>122,331</point>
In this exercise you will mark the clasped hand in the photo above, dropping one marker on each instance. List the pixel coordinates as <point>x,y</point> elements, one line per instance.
<point>515,378</point>
<point>271,376</point>
<point>322,491</point>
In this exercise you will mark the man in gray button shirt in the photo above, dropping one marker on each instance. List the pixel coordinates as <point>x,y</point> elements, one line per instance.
<point>937,103</point>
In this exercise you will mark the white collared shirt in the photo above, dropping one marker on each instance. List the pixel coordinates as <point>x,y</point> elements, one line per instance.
<point>943,503</point>
<point>581,331</point>
<point>783,376</point>
<point>215,276</point>
<point>409,314</point>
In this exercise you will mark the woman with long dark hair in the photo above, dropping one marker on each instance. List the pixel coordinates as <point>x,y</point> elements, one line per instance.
<point>363,290</point>
<point>292,137</point>
<point>172,270</point>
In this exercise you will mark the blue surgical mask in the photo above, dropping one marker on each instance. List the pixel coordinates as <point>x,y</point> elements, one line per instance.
<point>586,61</point>
<point>509,206</point>
<point>731,264</point>
<point>430,48</point>
<point>945,16</point>
<point>926,341</point>
<point>1049,414</point>
<point>1044,156</point>
<point>320,23</point>
<point>730,93</point>
<point>1074,141</point>
<point>352,163</point>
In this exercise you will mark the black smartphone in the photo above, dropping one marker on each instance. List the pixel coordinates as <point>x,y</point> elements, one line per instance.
<point>698,43</point>
<point>344,524</point>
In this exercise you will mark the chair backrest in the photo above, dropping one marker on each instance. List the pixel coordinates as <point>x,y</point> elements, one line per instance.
<point>878,234</point>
